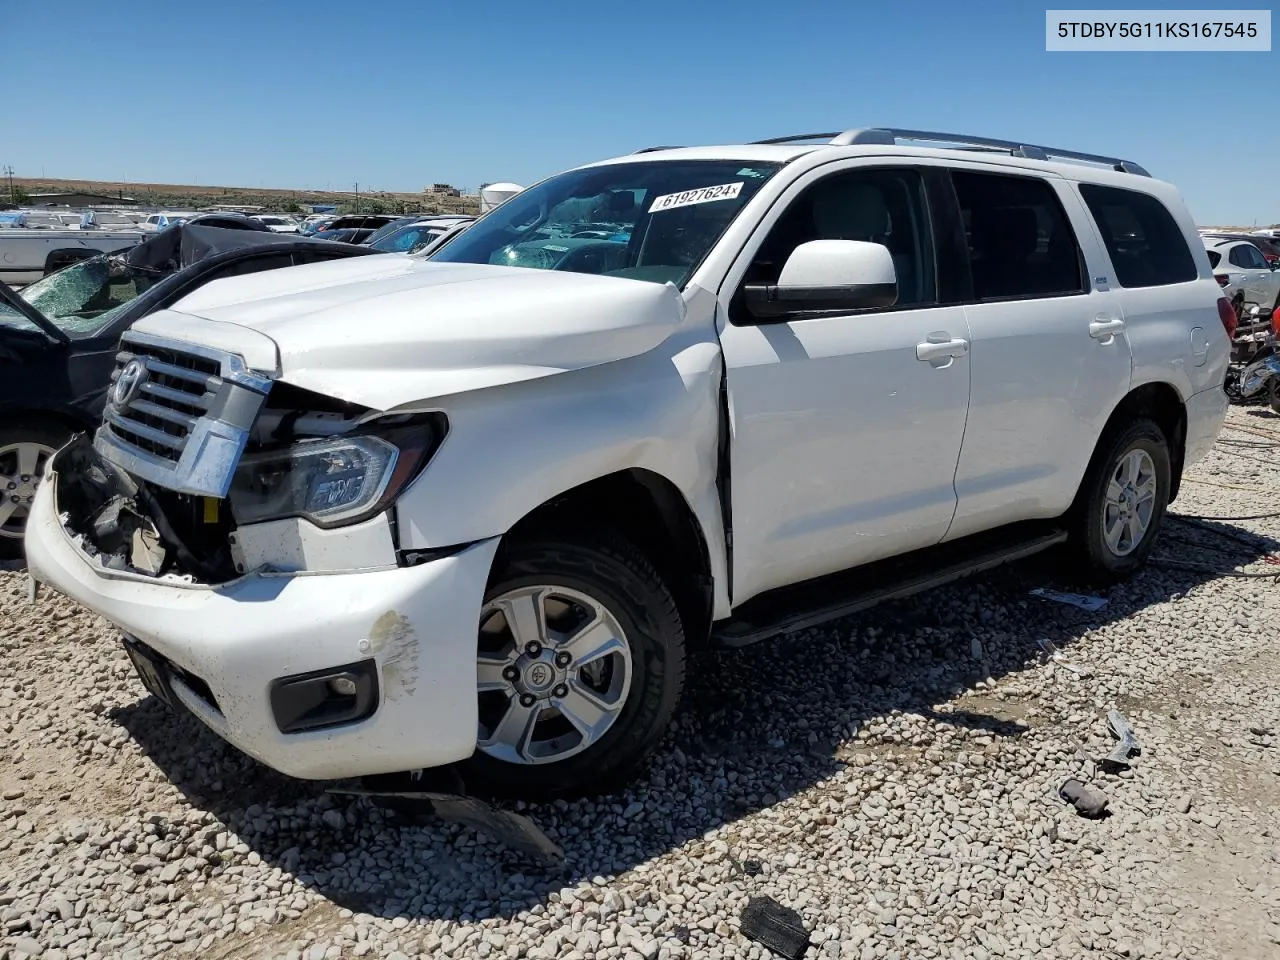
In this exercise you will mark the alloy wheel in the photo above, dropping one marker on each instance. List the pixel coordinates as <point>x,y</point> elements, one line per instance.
<point>553,673</point>
<point>1130,502</point>
<point>21,467</point>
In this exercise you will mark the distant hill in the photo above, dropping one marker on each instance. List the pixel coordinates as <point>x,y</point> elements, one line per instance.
<point>190,196</point>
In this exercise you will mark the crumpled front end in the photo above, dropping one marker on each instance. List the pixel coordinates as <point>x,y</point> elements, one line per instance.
<point>320,677</point>
<point>238,531</point>
<point>218,469</point>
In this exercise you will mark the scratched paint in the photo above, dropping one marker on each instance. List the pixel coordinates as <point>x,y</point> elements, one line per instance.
<point>396,645</point>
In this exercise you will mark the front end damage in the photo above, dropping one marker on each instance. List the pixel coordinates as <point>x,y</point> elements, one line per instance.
<point>258,583</point>
<point>204,470</point>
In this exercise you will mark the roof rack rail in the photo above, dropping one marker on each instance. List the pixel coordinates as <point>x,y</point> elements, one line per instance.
<point>889,136</point>
<point>655,149</point>
<point>798,138</point>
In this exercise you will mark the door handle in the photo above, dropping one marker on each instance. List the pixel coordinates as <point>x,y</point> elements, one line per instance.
<point>1105,330</point>
<point>937,349</point>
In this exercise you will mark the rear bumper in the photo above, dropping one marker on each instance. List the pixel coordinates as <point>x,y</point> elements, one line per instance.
<point>1206,412</point>
<point>418,624</point>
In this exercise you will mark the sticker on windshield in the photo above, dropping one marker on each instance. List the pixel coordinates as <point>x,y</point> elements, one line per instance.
<point>725,191</point>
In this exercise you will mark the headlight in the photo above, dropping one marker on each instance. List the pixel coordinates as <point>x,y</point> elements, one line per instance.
<point>332,482</point>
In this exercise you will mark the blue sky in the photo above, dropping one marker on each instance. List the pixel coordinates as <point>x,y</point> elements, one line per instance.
<point>399,94</point>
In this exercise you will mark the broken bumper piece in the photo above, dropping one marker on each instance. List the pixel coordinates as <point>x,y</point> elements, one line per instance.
<point>393,648</point>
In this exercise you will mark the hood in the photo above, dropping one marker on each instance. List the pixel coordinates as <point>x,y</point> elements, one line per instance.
<point>390,330</point>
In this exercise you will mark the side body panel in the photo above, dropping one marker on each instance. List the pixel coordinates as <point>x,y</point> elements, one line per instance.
<point>1043,388</point>
<point>844,439</point>
<point>512,448</point>
<point>1174,331</point>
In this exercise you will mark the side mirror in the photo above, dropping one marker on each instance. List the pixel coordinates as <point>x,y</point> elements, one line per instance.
<point>827,275</point>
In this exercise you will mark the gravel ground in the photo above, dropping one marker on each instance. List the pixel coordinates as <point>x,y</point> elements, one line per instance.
<point>892,777</point>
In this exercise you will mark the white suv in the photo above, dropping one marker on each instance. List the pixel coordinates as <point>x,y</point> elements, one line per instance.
<point>389,513</point>
<point>1243,272</point>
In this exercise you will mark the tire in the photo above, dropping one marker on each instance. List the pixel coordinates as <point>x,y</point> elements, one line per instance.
<point>18,444</point>
<point>634,611</point>
<point>1273,393</point>
<point>1138,443</point>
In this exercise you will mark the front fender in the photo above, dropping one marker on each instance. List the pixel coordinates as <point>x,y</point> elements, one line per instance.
<point>513,448</point>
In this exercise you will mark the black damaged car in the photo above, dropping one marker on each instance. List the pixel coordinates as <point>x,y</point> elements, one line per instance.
<point>58,337</point>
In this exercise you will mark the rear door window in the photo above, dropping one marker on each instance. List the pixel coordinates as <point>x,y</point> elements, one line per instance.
<point>1021,245</point>
<point>1145,243</point>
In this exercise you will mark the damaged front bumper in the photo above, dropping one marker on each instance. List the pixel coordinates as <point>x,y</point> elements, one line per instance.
<point>259,654</point>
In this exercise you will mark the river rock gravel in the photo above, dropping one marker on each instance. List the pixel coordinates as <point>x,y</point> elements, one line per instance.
<point>893,777</point>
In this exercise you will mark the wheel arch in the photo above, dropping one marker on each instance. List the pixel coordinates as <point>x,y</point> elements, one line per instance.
<point>651,512</point>
<point>1160,402</point>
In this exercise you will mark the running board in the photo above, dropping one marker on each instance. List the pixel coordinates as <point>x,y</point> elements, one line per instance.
<point>808,604</point>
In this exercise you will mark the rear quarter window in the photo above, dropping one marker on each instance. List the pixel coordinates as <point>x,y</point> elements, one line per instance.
<point>1215,257</point>
<point>1145,243</point>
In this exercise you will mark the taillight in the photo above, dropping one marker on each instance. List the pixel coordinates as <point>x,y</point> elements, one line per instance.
<point>1275,323</point>
<point>1227,314</point>
<point>1222,278</point>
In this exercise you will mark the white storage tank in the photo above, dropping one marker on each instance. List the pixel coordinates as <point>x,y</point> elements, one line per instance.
<point>492,194</point>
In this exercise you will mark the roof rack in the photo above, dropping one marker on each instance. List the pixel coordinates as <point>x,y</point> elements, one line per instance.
<point>889,136</point>
<point>655,149</point>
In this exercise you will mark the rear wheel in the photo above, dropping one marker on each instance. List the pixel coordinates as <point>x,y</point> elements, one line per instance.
<point>24,451</point>
<point>580,667</point>
<point>1122,502</point>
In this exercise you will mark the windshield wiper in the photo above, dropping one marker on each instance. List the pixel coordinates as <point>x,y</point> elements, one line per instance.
<point>47,326</point>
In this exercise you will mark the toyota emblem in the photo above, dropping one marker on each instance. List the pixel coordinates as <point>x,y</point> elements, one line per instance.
<point>129,384</point>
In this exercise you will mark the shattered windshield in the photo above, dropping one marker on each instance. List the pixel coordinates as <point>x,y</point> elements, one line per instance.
<point>85,297</point>
<point>650,220</point>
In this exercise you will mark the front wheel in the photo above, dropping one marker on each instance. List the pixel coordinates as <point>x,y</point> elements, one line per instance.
<point>1123,503</point>
<point>580,668</point>
<point>24,450</point>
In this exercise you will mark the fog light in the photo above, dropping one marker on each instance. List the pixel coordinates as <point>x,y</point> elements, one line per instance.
<point>325,698</point>
<point>343,686</point>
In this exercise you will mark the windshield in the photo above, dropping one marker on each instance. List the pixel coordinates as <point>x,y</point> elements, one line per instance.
<point>388,228</point>
<point>83,298</point>
<point>408,239</point>
<point>651,220</point>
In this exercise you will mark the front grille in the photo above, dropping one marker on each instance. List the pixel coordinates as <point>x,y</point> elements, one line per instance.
<point>178,415</point>
<point>178,390</point>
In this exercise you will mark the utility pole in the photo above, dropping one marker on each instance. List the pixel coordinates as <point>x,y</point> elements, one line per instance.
<point>8,172</point>
<point>357,196</point>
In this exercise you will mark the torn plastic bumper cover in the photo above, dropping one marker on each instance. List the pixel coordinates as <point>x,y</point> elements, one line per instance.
<point>220,647</point>
<point>116,519</point>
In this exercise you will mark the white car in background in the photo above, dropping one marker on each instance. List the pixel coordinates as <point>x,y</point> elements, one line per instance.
<point>416,235</point>
<point>156,222</point>
<point>277,223</point>
<point>1243,272</point>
